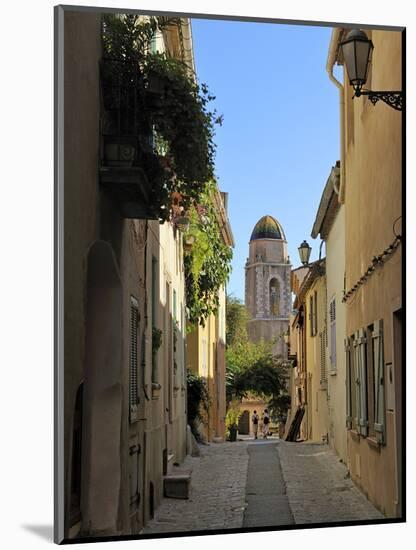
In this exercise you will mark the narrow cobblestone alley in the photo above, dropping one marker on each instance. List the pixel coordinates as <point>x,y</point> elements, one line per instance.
<point>273,483</point>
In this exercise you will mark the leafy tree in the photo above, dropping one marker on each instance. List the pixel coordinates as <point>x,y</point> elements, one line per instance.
<point>236,324</point>
<point>251,368</point>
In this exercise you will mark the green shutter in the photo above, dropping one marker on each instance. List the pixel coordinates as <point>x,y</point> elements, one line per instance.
<point>357,379</point>
<point>362,374</point>
<point>379,404</point>
<point>348,361</point>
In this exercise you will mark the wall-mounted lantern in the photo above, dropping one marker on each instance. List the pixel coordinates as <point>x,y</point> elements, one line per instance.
<point>357,50</point>
<point>304,253</point>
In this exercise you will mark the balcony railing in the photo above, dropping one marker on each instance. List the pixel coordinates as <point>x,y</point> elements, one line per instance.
<point>127,139</point>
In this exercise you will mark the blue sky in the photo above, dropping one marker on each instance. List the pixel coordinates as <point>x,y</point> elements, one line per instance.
<point>280,135</point>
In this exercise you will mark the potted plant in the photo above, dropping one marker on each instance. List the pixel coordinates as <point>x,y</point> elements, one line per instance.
<point>231,420</point>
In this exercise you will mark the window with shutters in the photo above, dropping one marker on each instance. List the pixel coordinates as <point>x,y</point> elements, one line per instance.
<point>359,352</point>
<point>133,383</point>
<point>333,335</point>
<point>349,383</point>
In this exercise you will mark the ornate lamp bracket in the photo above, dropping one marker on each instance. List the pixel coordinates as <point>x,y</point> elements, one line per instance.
<point>393,99</point>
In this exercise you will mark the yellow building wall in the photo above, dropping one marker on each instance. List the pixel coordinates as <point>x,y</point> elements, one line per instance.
<point>373,191</point>
<point>335,270</point>
<point>206,356</point>
<point>317,403</point>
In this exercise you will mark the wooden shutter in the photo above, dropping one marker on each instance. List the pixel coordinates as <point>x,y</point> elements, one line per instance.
<point>133,382</point>
<point>323,343</point>
<point>348,352</point>
<point>357,380</point>
<point>311,315</point>
<point>379,404</point>
<point>333,334</point>
<point>362,375</point>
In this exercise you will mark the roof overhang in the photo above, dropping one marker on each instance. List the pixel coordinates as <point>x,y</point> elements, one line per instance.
<point>328,206</point>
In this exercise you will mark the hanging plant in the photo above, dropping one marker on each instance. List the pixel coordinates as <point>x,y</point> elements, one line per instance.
<point>173,106</point>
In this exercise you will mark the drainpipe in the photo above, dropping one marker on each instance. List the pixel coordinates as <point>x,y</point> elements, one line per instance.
<point>332,52</point>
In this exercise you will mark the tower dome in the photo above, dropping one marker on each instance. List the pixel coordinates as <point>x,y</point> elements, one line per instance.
<point>267,228</point>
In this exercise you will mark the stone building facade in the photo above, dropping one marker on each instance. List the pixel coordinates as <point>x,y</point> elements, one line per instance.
<point>124,405</point>
<point>267,285</point>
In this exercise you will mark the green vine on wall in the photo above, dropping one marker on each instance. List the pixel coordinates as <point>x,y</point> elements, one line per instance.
<point>208,263</point>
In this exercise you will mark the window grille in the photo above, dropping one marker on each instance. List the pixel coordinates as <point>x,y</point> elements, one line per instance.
<point>133,389</point>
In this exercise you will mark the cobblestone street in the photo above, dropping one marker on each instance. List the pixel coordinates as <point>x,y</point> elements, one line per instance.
<point>217,500</point>
<point>317,487</point>
<point>301,484</point>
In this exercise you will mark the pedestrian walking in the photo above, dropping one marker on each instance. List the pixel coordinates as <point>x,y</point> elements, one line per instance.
<point>266,422</point>
<point>255,420</point>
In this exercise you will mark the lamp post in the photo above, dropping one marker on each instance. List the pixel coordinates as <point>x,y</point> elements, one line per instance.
<point>357,50</point>
<point>304,253</point>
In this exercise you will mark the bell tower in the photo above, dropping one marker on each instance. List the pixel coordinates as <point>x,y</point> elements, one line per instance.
<point>267,284</point>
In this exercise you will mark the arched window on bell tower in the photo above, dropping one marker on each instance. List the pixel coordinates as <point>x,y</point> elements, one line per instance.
<point>274,297</point>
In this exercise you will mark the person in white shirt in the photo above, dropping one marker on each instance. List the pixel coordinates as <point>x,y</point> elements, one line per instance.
<point>266,422</point>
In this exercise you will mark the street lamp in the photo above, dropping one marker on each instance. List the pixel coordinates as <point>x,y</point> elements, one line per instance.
<point>357,50</point>
<point>304,253</point>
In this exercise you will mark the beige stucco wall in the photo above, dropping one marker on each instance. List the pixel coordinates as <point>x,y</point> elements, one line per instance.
<point>372,203</point>
<point>104,266</point>
<point>335,270</point>
<point>165,411</point>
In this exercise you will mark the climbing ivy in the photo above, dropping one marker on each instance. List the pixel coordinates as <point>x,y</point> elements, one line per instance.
<point>208,263</point>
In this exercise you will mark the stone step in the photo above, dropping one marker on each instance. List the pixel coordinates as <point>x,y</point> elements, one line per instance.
<point>177,485</point>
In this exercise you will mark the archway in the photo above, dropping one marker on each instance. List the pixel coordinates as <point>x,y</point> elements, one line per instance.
<point>102,404</point>
<point>244,423</point>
